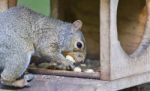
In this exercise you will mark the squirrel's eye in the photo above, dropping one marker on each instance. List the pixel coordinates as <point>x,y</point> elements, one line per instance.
<point>79,44</point>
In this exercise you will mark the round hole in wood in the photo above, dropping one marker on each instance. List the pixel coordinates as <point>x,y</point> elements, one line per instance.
<point>131,20</point>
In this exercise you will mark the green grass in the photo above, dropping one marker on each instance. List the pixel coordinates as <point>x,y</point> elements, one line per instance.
<point>40,6</point>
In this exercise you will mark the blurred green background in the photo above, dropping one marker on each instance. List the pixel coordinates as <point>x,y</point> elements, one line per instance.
<point>40,6</point>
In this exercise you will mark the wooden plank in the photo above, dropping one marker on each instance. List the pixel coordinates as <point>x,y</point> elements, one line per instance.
<point>12,3</point>
<point>115,63</point>
<point>131,20</point>
<point>94,75</point>
<point>105,39</point>
<point>54,8</point>
<point>123,65</point>
<point>57,83</point>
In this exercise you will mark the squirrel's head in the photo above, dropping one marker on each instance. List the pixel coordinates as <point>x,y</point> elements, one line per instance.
<point>75,45</point>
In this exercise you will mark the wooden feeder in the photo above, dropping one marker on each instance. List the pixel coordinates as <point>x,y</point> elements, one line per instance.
<point>123,28</point>
<point>115,62</point>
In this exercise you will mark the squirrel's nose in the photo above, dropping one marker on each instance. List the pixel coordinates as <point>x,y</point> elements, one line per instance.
<point>81,62</point>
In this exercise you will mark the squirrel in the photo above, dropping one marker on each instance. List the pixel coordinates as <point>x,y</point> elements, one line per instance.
<point>25,33</point>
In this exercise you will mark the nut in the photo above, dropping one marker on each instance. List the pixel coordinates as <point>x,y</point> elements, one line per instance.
<point>70,58</point>
<point>89,71</point>
<point>77,69</point>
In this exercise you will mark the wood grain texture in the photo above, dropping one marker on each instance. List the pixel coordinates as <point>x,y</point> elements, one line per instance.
<point>54,7</point>
<point>105,39</point>
<point>124,70</point>
<point>94,75</point>
<point>12,3</point>
<point>57,83</point>
<point>115,62</point>
<point>121,64</point>
<point>131,20</point>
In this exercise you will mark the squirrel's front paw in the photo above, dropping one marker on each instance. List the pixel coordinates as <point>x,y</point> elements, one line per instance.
<point>68,65</point>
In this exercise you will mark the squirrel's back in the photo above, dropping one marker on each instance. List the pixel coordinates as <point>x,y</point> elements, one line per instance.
<point>26,25</point>
<point>22,20</point>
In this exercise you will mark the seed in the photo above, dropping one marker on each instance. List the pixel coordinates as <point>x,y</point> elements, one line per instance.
<point>70,58</point>
<point>77,69</point>
<point>89,71</point>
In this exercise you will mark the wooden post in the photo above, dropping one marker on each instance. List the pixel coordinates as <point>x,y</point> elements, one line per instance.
<point>54,8</point>
<point>105,39</point>
<point>115,63</point>
<point>12,3</point>
<point>5,4</point>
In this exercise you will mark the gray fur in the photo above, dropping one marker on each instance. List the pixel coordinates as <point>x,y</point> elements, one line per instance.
<point>24,33</point>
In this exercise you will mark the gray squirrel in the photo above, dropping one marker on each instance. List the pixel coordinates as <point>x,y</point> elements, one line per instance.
<point>25,33</point>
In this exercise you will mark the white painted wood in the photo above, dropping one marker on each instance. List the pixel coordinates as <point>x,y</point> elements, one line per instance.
<point>126,82</point>
<point>123,65</point>
<point>115,63</point>
<point>105,39</point>
<point>73,84</point>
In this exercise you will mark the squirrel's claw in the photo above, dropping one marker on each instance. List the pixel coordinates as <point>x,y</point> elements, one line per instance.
<point>70,64</point>
<point>28,77</point>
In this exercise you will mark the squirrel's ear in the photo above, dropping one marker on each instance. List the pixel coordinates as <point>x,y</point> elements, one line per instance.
<point>77,24</point>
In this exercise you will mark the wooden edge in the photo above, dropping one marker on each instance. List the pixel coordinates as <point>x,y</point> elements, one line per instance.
<point>12,3</point>
<point>122,65</point>
<point>95,75</point>
<point>59,83</point>
<point>105,39</point>
<point>54,8</point>
<point>3,5</point>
